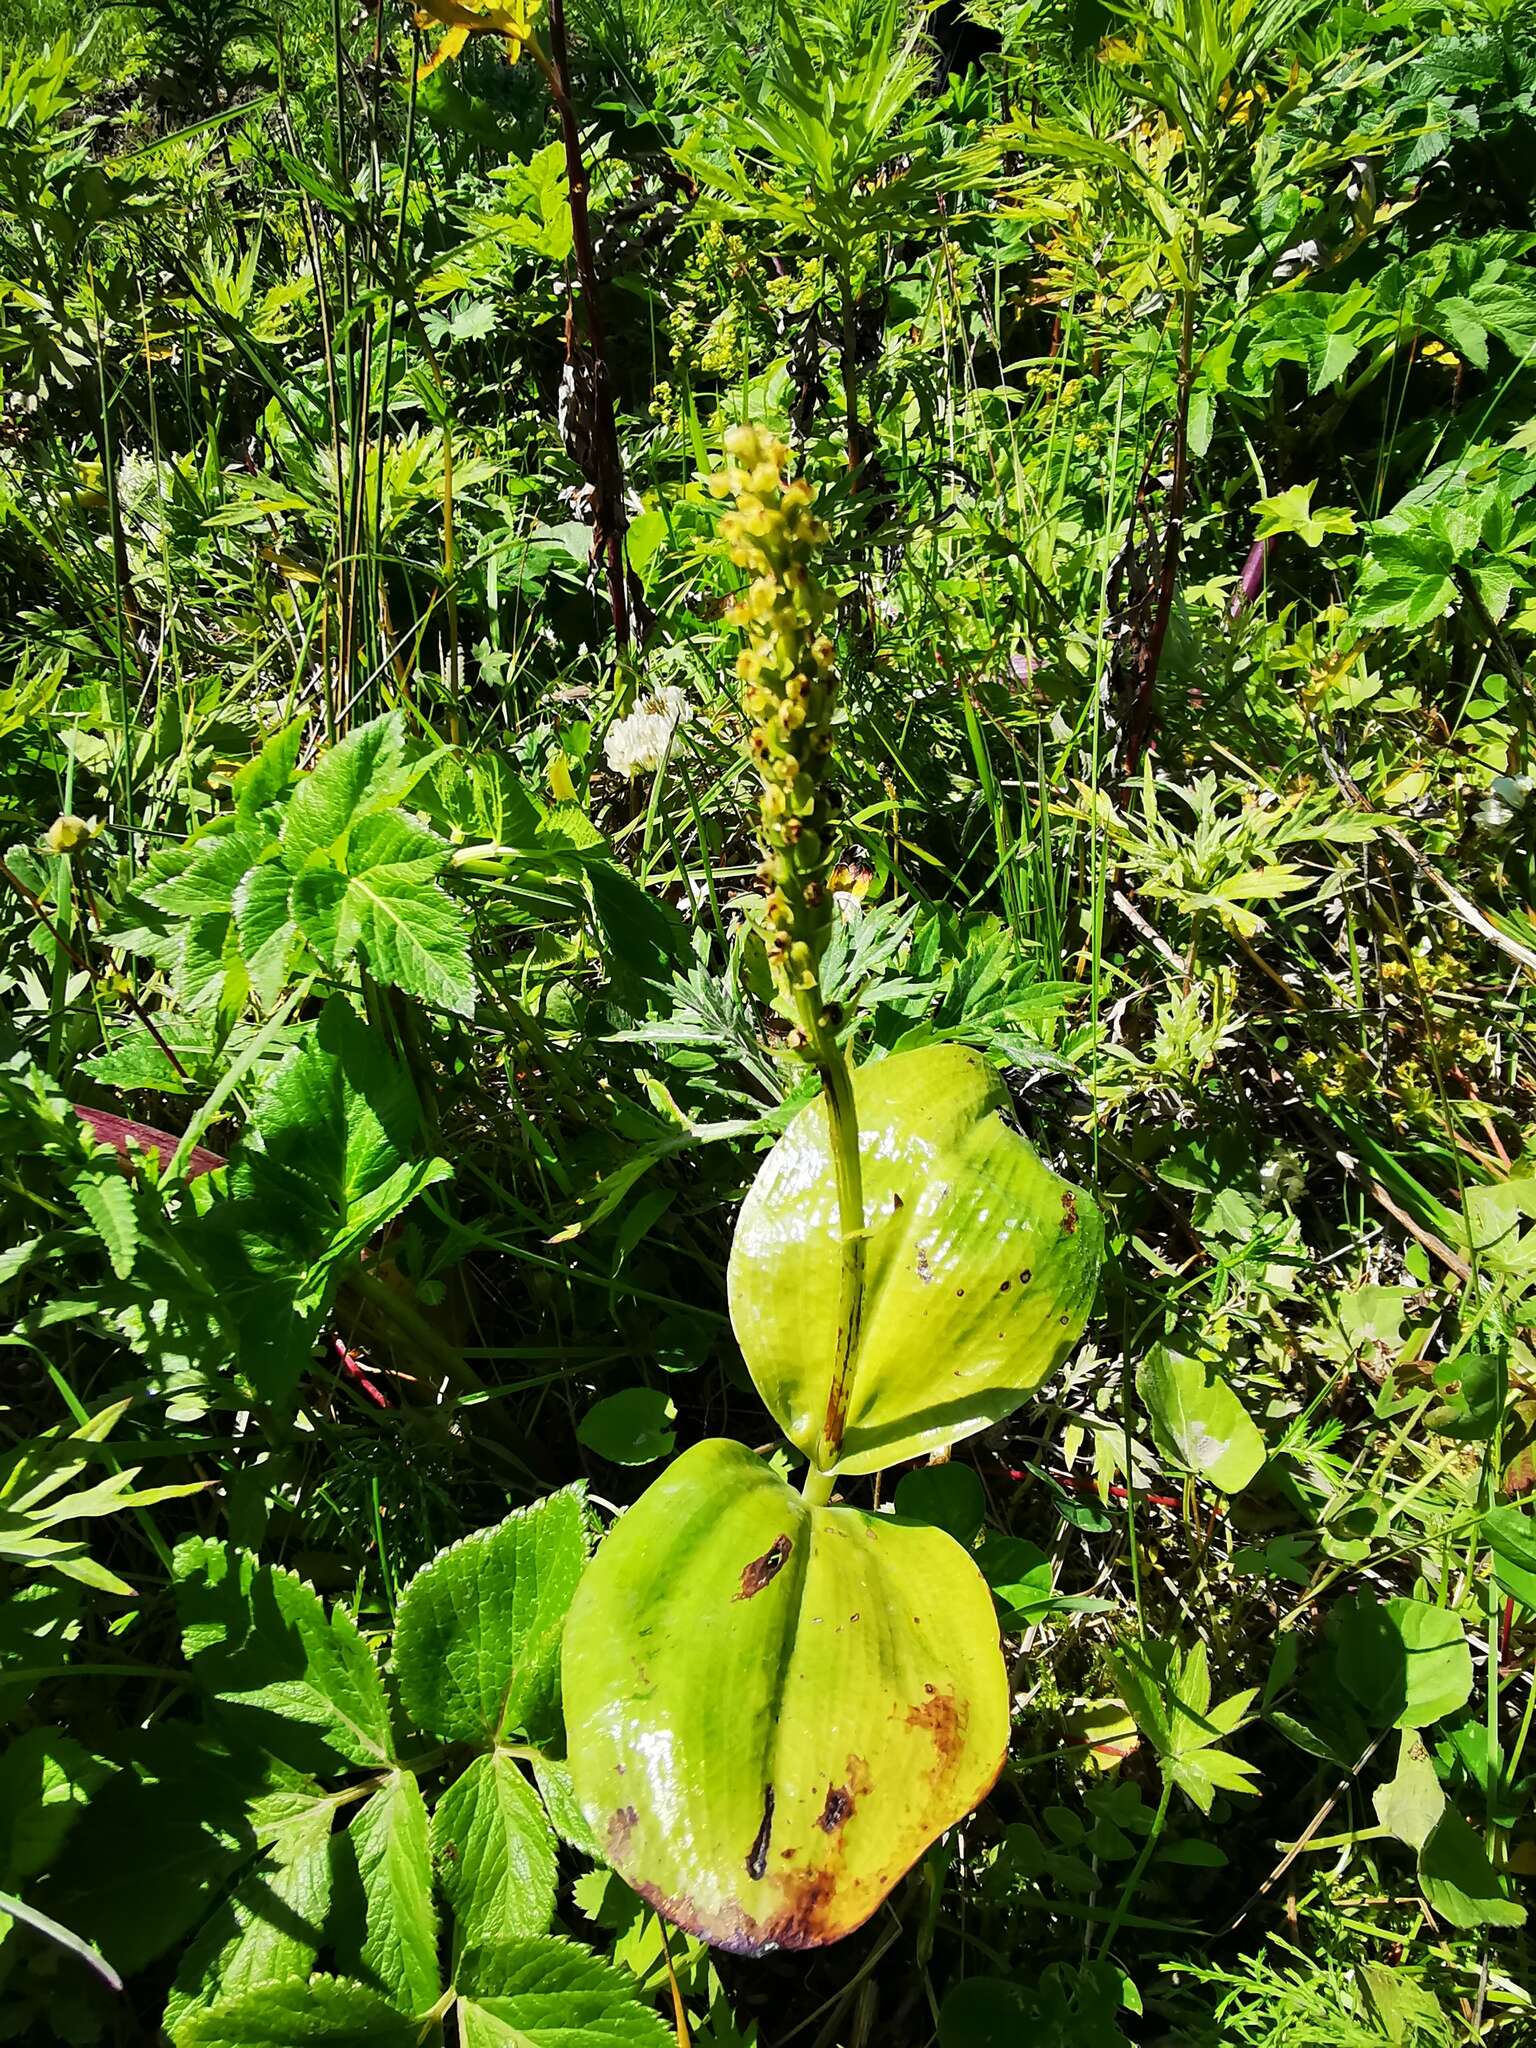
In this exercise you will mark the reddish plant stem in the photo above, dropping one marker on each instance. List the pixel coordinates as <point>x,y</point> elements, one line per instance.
<point>608,482</point>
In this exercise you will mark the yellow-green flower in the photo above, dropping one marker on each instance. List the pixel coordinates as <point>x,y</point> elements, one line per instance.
<point>788,693</point>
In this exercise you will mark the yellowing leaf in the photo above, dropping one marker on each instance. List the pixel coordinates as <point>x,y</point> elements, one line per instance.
<point>1291,512</point>
<point>774,1708</point>
<point>980,1264</point>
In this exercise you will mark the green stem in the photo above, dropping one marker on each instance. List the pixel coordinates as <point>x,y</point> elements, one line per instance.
<point>1128,1890</point>
<point>831,1061</point>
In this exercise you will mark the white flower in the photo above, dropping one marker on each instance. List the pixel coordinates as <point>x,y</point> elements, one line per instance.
<point>640,741</point>
<point>1506,797</point>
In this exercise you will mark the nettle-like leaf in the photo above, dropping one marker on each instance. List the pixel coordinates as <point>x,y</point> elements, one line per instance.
<point>550,1994</point>
<point>300,2010</point>
<point>328,861</point>
<point>298,1680</point>
<point>774,1708</point>
<point>980,1264</point>
<point>493,1852</point>
<point>1169,1696</point>
<point>271,1926</point>
<point>387,1931</point>
<point>477,1638</point>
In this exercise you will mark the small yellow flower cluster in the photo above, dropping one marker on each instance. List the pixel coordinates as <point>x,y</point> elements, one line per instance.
<point>788,693</point>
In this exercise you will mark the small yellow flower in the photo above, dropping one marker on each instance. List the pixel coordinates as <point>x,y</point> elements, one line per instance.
<point>511,19</point>
<point>69,833</point>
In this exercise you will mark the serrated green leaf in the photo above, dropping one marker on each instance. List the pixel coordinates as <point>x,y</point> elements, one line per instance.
<point>477,1638</point>
<point>387,1933</point>
<point>107,1199</point>
<point>268,778</point>
<point>556,1789</point>
<point>301,1681</point>
<point>416,938</point>
<point>272,1925</point>
<point>368,771</point>
<point>219,861</point>
<point>494,1854</point>
<point>550,1993</point>
<point>324,2010</point>
<point>265,928</point>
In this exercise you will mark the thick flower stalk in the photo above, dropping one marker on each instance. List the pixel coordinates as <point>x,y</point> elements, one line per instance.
<point>789,687</point>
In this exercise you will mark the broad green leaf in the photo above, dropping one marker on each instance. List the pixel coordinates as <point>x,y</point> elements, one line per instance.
<point>1458,1881</point>
<point>773,1709</point>
<point>1510,1533</point>
<point>1197,1419</point>
<point>1406,1662</point>
<point>46,1780</point>
<point>366,772</point>
<point>980,1267</point>
<point>949,1496</point>
<point>387,1923</point>
<point>477,1639</point>
<point>550,1993</point>
<point>301,1681</point>
<point>270,1927</point>
<point>630,1427</point>
<point>1412,1802</point>
<point>494,1854</point>
<point>323,2010</point>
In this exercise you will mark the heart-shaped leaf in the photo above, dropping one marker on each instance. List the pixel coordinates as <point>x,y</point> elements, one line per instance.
<point>774,1708</point>
<point>980,1263</point>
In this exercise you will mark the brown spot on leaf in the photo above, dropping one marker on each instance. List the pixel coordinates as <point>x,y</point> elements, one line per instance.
<point>619,1829</point>
<point>837,1809</point>
<point>924,1270</point>
<point>944,1717</point>
<point>1069,1211</point>
<point>1025,1277</point>
<point>1005,1287</point>
<point>762,1570</point>
<point>896,1201</point>
<point>757,1855</point>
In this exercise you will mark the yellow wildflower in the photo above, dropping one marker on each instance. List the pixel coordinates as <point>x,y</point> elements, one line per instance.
<point>511,19</point>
